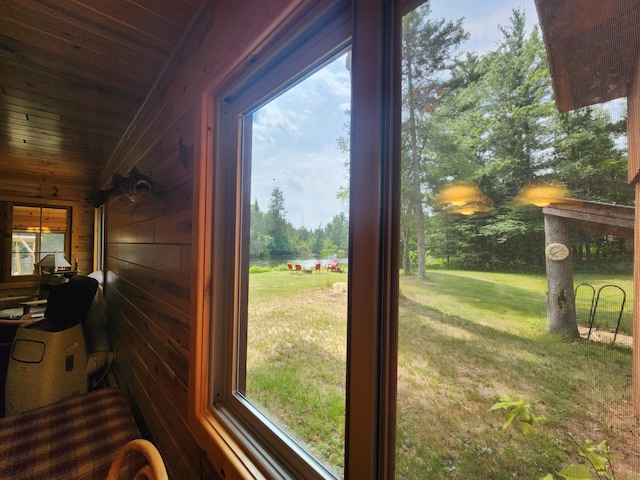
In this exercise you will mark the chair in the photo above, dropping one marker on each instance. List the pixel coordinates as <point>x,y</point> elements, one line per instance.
<point>332,267</point>
<point>290,267</point>
<point>154,470</point>
<point>49,359</point>
<point>318,266</point>
<point>298,267</point>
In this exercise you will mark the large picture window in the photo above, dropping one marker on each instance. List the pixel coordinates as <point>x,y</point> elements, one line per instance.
<point>293,268</point>
<point>294,344</point>
<point>291,249</point>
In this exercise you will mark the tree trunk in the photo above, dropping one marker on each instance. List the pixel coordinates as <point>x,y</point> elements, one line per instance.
<point>561,307</point>
<point>406,260</point>
<point>416,190</point>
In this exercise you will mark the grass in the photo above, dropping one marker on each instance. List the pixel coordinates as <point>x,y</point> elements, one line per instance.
<point>296,356</point>
<point>465,339</point>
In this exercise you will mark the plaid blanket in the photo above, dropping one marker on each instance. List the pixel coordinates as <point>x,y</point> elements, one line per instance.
<point>76,438</point>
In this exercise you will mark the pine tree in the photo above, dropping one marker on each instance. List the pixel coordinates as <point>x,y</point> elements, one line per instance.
<point>429,47</point>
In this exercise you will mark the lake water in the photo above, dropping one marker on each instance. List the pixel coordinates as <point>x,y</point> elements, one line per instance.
<point>307,262</point>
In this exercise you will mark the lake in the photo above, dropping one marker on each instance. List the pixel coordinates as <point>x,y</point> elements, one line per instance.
<point>306,262</point>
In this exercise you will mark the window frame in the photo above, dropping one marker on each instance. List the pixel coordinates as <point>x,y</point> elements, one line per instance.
<point>235,144</point>
<point>99,238</point>
<point>7,274</point>
<point>374,218</point>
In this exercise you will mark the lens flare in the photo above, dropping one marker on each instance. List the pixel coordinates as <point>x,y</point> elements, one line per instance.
<point>544,194</point>
<point>464,198</point>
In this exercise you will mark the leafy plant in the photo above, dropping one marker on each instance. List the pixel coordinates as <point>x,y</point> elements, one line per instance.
<point>599,458</point>
<point>520,410</point>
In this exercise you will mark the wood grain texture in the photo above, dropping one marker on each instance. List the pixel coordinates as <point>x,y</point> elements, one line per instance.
<point>150,249</point>
<point>73,74</point>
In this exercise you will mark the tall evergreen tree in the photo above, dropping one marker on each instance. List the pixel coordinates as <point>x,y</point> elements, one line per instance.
<point>498,111</point>
<point>429,47</point>
<point>278,229</point>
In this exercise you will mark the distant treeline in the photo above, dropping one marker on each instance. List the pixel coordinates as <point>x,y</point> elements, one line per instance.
<point>272,234</point>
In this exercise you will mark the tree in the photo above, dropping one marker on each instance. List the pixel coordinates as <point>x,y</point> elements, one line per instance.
<point>497,111</point>
<point>519,106</point>
<point>260,242</point>
<point>584,148</point>
<point>428,48</point>
<point>277,223</point>
<point>337,232</point>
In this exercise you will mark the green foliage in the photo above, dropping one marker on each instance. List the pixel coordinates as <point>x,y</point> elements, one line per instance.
<point>272,234</point>
<point>277,223</point>
<point>429,48</point>
<point>517,409</point>
<point>492,119</point>
<point>259,269</point>
<point>598,457</point>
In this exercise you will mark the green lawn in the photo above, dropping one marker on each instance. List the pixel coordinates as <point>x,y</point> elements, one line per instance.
<point>466,338</point>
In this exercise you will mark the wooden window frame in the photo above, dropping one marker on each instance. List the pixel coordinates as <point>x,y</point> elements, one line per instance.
<point>99,236</point>
<point>6,274</point>
<point>375,28</point>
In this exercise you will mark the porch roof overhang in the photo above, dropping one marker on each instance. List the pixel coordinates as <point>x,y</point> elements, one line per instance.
<point>604,218</point>
<point>592,47</point>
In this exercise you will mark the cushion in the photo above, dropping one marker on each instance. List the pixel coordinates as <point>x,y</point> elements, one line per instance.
<point>75,438</point>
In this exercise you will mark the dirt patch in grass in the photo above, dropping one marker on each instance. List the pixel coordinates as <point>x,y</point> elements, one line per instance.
<point>606,336</point>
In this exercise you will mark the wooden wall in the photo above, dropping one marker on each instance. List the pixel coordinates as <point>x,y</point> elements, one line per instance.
<point>150,259</point>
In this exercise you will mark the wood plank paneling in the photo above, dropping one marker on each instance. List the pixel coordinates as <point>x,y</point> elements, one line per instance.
<point>148,366</point>
<point>136,376</point>
<point>149,257</point>
<point>161,258</point>
<point>159,205</point>
<point>86,67</point>
<point>162,334</point>
<point>157,287</point>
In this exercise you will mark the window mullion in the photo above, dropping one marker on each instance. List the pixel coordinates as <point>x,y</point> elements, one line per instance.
<point>374,191</point>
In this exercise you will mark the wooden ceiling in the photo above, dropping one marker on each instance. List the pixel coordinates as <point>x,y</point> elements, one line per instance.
<point>593,47</point>
<point>73,73</point>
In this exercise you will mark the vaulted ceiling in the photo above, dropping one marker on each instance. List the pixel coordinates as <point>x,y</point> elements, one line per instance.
<point>73,73</point>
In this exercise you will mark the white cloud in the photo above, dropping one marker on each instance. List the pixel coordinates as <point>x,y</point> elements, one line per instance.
<point>295,147</point>
<point>308,180</point>
<point>272,120</point>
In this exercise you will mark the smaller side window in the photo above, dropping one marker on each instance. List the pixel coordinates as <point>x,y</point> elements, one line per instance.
<point>37,231</point>
<point>99,239</point>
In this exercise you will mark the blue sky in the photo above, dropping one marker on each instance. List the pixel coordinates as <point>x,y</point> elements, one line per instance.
<point>295,137</point>
<point>295,147</point>
<point>481,18</point>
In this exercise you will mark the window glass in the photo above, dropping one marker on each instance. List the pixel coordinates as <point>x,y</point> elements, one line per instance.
<point>292,356</point>
<point>36,232</point>
<point>517,255</point>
